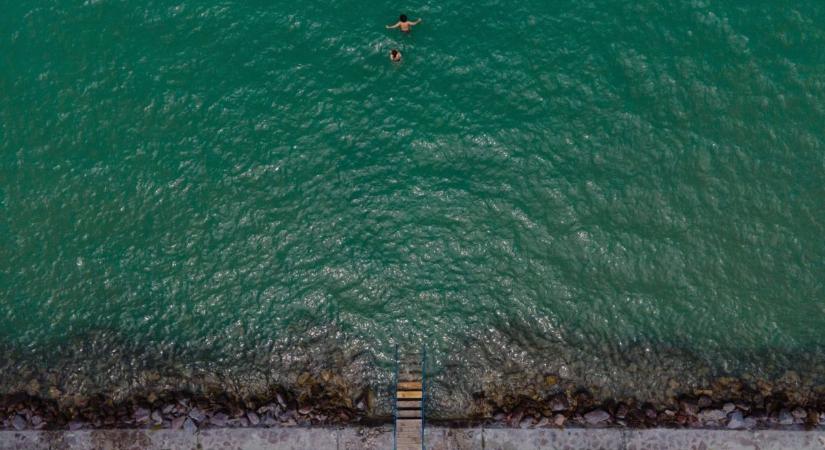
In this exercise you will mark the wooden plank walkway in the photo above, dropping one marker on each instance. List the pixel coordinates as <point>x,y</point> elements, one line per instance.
<point>409,395</point>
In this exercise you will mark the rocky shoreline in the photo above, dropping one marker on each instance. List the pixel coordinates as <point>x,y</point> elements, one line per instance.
<point>324,400</point>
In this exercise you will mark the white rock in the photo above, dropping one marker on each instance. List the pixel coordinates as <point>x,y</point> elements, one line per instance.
<point>141,415</point>
<point>270,421</point>
<point>197,415</point>
<point>177,422</point>
<point>189,425</point>
<point>559,420</point>
<point>597,416</point>
<point>559,403</point>
<point>19,422</point>
<point>736,421</point>
<point>219,420</point>
<point>712,415</point>
<point>253,418</point>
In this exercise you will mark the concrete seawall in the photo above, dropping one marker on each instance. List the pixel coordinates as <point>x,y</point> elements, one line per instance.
<point>438,438</point>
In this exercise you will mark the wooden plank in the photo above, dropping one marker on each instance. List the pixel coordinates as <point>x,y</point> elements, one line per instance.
<point>415,437</point>
<point>408,395</point>
<point>409,386</point>
<point>409,377</point>
<point>408,404</point>
<point>410,434</point>
<point>409,413</point>
<point>402,423</point>
<point>408,424</point>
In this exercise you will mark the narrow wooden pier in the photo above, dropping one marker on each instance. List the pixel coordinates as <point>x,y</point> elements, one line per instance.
<point>409,401</point>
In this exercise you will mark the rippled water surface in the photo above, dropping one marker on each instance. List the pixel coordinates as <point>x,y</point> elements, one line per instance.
<point>595,189</point>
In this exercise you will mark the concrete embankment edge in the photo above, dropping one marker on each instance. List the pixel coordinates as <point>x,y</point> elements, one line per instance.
<point>438,438</point>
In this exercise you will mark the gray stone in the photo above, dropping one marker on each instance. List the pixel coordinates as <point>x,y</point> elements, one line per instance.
<point>597,416</point>
<point>253,418</point>
<point>141,415</point>
<point>157,418</point>
<point>197,415</point>
<point>189,425</point>
<point>177,423</point>
<point>75,425</point>
<point>712,415</point>
<point>243,422</point>
<point>269,421</point>
<point>799,413</point>
<point>759,416</point>
<point>219,419</point>
<point>690,408</point>
<point>289,423</point>
<point>280,400</point>
<point>559,403</point>
<point>728,407</point>
<point>267,408</point>
<point>785,418</point>
<point>559,420</point>
<point>736,421</point>
<point>19,422</point>
<point>515,418</point>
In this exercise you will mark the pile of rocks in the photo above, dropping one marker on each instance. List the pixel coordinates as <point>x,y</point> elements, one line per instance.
<point>330,399</point>
<point>178,411</point>
<point>702,412</point>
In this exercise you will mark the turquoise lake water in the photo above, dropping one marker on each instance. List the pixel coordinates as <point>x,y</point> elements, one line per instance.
<point>603,190</point>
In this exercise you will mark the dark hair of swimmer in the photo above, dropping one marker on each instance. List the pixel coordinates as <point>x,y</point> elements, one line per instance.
<point>394,52</point>
<point>403,18</point>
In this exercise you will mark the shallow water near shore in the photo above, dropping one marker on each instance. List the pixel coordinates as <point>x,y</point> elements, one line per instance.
<point>610,193</point>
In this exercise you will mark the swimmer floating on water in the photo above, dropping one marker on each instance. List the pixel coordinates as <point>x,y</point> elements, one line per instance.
<point>404,24</point>
<point>395,55</point>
